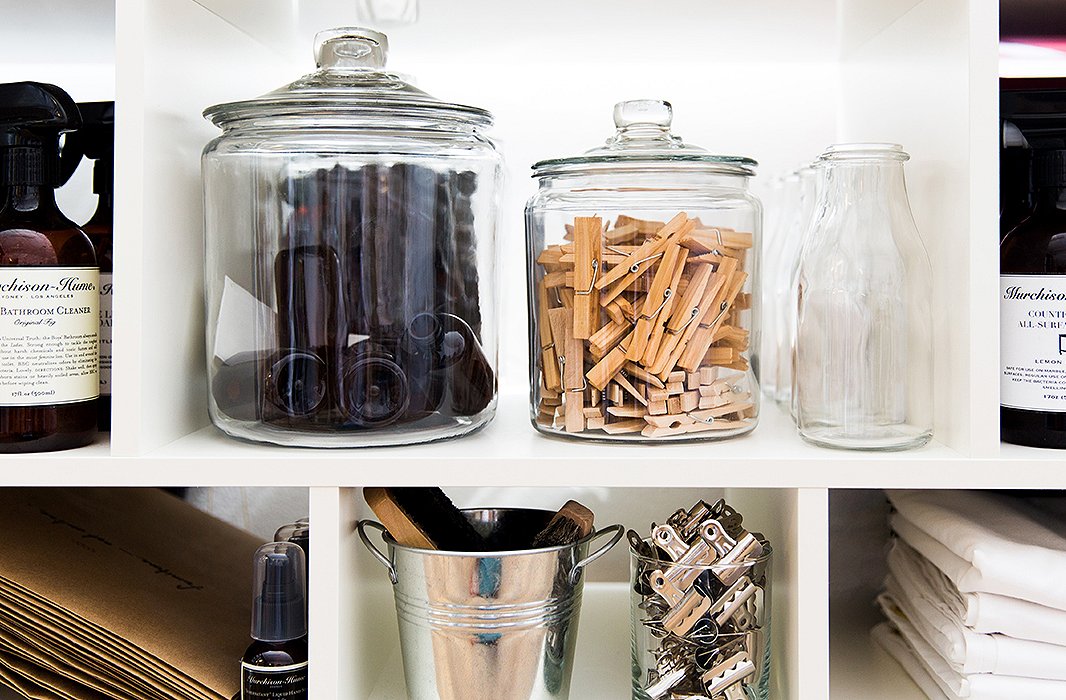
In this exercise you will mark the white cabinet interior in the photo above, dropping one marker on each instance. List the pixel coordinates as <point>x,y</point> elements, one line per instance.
<point>777,80</point>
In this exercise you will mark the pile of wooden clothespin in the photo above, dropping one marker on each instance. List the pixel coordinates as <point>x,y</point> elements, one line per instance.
<point>640,328</point>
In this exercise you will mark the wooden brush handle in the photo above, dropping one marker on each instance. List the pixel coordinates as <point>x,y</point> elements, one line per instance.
<point>402,528</point>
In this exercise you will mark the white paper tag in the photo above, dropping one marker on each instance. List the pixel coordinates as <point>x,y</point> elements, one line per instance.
<point>245,324</point>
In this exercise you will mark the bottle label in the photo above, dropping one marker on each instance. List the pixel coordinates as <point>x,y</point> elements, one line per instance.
<point>1033,342</point>
<point>49,335</point>
<point>105,333</point>
<point>274,682</point>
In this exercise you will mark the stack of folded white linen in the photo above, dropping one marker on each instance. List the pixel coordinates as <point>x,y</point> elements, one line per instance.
<point>976,595</point>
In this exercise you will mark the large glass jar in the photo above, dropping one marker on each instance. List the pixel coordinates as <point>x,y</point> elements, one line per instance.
<point>863,352</point>
<point>642,262</point>
<point>350,237</point>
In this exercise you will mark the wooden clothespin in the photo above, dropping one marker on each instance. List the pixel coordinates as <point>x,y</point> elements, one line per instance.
<point>588,233</point>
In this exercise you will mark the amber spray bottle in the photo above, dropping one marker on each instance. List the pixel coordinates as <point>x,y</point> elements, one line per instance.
<point>275,665</point>
<point>49,283</point>
<point>95,140</point>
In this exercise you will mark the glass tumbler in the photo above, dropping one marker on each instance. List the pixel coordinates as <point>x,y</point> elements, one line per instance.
<point>702,630</point>
<point>863,350</point>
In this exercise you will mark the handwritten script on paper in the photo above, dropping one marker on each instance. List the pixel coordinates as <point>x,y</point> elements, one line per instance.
<point>182,584</point>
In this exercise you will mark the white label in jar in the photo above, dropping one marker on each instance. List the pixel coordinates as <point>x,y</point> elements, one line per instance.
<point>49,327</point>
<point>105,333</point>
<point>1033,342</point>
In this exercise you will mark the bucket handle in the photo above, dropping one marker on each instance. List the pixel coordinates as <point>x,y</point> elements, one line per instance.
<point>361,526</point>
<point>618,531</point>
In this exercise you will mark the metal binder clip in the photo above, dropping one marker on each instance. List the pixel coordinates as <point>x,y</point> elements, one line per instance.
<point>729,673</point>
<point>716,537</point>
<point>670,541</point>
<point>739,560</point>
<point>671,582</point>
<point>683,617</point>
<point>665,682</point>
<point>687,522</point>
<point>753,641</point>
<point>736,604</point>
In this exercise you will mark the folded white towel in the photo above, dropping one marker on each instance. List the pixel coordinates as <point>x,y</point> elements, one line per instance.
<point>987,542</point>
<point>976,686</point>
<point>985,613</point>
<point>888,638</point>
<point>968,652</point>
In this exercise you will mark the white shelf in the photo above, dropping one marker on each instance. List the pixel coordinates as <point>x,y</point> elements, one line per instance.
<point>509,452</point>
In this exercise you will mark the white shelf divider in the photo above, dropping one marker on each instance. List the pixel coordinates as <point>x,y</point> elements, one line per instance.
<point>810,571</point>
<point>324,594</point>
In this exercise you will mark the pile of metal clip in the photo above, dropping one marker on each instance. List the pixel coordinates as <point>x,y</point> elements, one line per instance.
<point>701,580</point>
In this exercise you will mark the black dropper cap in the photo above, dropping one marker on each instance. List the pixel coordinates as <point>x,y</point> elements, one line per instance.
<point>279,594</point>
<point>95,140</point>
<point>32,116</point>
<point>1049,169</point>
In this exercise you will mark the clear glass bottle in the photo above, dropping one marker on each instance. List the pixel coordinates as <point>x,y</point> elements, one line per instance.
<point>775,232</point>
<point>643,260</point>
<point>350,270</point>
<point>864,343</point>
<point>784,280</point>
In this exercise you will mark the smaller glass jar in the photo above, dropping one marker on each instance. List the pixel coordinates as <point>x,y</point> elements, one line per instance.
<point>642,267</point>
<point>701,629</point>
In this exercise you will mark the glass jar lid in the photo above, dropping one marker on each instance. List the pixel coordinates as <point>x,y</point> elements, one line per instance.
<point>351,82</point>
<point>643,141</point>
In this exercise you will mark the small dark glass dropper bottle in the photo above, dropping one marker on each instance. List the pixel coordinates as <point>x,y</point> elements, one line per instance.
<point>1033,314</point>
<point>49,282</point>
<point>275,665</point>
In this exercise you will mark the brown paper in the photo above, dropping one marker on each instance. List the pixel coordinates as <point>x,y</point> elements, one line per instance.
<point>145,587</point>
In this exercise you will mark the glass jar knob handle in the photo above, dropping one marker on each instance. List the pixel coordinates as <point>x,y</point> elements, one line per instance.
<point>351,48</point>
<point>656,113</point>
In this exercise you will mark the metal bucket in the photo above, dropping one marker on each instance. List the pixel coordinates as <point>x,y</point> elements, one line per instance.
<point>499,625</point>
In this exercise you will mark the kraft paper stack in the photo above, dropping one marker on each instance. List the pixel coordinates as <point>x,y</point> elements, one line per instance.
<point>974,597</point>
<point>129,594</point>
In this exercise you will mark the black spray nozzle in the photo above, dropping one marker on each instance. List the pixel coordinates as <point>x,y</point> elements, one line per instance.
<point>95,140</point>
<point>32,117</point>
<point>279,594</point>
